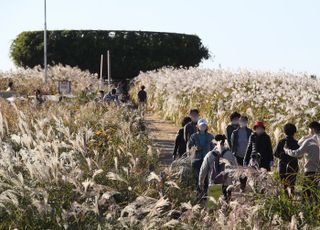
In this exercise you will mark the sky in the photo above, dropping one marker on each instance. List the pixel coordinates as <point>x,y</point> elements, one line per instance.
<point>268,35</point>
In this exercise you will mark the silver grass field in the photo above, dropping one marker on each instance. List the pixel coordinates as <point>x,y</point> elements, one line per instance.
<point>77,164</point>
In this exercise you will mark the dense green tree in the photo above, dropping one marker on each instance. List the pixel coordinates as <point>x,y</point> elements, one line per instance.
<point>131,51</point>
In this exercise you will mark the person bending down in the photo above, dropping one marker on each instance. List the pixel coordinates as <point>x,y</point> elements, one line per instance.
<point>209,168</point>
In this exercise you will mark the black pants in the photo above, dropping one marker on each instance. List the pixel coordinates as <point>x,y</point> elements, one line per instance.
<point>243,179</point>
<point>265,165</point>
<point>310,186</point>
<point>288,174</point>
<point>226,194</point>
<point>201,194</point>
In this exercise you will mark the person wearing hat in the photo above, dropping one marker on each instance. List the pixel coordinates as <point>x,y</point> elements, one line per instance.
<point>259,148</point>
<point>288,165</point>
<point>201,143</point>
<point>309,149</point>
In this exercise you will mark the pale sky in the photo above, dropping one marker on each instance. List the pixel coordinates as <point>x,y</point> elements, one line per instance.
<point>253,34</point>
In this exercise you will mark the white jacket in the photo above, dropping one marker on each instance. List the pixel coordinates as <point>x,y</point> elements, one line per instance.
<point>208,163</point>
<point>309,148</point>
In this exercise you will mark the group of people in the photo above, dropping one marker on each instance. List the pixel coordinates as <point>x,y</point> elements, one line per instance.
<point>38,98</point>
<point>241,146</point>
<point>117,95</point>
<point>108,98</point>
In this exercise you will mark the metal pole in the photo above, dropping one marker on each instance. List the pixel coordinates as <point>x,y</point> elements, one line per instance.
<point>45,75</point>
<point>109,67</point>
<point>101,69</point>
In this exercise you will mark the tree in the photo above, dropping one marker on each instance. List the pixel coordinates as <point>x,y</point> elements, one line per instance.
<point>131,51</point>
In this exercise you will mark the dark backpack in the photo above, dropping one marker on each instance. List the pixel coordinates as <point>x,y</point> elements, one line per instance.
<point>217,175</point>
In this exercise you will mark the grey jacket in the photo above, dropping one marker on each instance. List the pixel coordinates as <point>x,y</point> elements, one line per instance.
<point>309,148</point>
<point>234,140</point>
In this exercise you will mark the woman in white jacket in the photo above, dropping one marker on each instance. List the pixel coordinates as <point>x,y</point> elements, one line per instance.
<point>223,154</point>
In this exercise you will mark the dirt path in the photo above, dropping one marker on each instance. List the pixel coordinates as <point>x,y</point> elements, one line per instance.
<point>162,134</point>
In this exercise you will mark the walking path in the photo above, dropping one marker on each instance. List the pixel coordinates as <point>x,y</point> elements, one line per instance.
<point>162,134</point>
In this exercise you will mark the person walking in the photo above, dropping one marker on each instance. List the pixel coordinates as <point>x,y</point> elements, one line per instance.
<point>201,143</point>
<point>259,152</point>
<point>180,146</point>
<point>309,149</point>
<point>234,118</point>
<point>288,165</point>
<point>191,127</point>
<point>142,99</point>
<point>239,142</point>
<point>209,167</point>
<point>111,97</point>
<point>240,139</point>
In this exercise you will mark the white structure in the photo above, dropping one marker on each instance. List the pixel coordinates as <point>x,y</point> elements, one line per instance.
<point>108,67</point>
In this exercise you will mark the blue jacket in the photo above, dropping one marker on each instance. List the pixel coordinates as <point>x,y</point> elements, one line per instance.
<point>201,151</point>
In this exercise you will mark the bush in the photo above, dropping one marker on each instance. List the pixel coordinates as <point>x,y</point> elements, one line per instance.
<point>132,51</point>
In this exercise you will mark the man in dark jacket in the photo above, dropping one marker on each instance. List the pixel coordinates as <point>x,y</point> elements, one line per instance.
<point>259,148</point>
<point>288,165</point>
<point>234,118</point>
<point>191,127</point>
<point>180,145</point>
<point>142,97</point>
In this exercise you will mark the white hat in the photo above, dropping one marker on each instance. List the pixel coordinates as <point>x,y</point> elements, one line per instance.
<point>202,122</point>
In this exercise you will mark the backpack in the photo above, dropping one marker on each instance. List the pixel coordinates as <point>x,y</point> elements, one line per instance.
<point>217,175</point>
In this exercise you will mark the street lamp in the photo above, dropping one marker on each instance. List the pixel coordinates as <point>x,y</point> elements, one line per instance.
<point>45,74</point>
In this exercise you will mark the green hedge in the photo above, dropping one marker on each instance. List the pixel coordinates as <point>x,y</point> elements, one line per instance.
<point>131,51</point>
